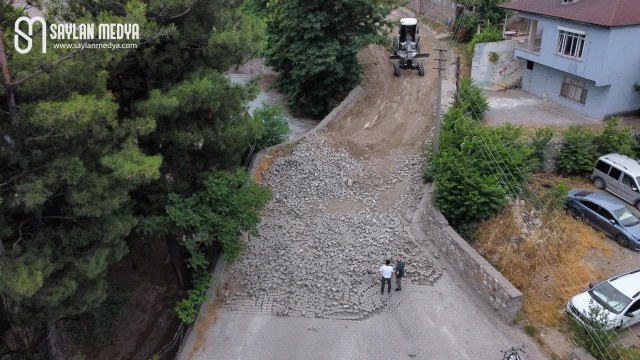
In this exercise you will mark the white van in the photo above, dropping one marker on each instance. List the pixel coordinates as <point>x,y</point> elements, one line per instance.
<point>619,175</point>
<point>618,298</point>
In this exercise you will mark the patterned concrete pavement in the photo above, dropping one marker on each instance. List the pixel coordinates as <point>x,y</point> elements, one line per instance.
<point>421,322</point>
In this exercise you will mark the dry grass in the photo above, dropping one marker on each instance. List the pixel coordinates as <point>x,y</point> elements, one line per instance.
<point>546,265</point>
<point>267,161</point>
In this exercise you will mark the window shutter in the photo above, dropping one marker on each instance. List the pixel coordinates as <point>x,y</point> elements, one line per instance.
<point>583,96</point>
<point>565,90</point>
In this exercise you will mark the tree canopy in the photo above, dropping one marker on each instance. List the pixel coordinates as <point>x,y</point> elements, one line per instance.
<point>314,46</point>
<point>94,142</point>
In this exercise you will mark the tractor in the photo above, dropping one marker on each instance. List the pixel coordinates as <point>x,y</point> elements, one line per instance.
<point>406,48</point>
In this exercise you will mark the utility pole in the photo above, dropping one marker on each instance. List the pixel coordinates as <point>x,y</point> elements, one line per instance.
<point>458,78</point>
<point>440,59</point>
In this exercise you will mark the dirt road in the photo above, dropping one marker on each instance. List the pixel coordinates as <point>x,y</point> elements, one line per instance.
<point>394,115</point>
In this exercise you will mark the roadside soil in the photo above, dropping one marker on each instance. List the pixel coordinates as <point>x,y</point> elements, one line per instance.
<point>394,114</point>
<point>154,292</point>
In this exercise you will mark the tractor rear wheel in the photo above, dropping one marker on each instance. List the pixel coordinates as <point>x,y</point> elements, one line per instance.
<point>420,69</point>
<point>418,48</point>
<point>396,45</point>
<point>396,69</point>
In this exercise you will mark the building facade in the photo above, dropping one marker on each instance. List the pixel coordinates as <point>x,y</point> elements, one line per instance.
<point>582,54</point>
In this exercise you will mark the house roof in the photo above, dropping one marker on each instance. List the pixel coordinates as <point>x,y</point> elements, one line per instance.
<point>608,13</point>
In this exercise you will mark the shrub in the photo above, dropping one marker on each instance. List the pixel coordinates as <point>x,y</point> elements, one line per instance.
<point>186,308</point>
<point>612,140</point>
<point>463,194</point>
<point>555,198</point>
<point>578,153</point>
<point>471,100</point>
<point>276,127</point>
<point>464,27</point>
<point>488,34</point>
<point>592,337</point>
<point>540,141</point>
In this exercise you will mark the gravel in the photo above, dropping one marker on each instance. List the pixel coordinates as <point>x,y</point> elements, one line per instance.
<point>314,262</point>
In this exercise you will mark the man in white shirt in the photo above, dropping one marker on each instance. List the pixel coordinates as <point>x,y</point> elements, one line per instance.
<point>386,271</point>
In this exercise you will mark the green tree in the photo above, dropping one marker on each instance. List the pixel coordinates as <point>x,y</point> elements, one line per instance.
<point>578,153</point>
<point>276,127</point>
<point>612,140</point>
<point>68,163</point>
<point>471,100</point>
<point>314,46</point>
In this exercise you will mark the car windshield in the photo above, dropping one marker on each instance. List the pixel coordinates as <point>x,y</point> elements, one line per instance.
<point>610,298</point>
<point>627,217</point>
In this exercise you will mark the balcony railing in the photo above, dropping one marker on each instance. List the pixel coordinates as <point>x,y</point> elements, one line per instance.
<point>533,48</point>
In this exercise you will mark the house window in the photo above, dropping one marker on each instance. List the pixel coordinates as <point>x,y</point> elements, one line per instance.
<point>529,65</point>
<point>575,90</point>
<point>571,43</point>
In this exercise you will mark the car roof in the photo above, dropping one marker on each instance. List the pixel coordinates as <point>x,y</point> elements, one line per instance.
<point>408,21</point>
<point>606,201</point>
<point>628,284</point>
<point>623,162</point>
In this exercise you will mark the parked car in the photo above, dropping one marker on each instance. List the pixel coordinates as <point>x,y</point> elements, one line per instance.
<point>618,298</point>
<point>620,175</point>
<point>607,214</point>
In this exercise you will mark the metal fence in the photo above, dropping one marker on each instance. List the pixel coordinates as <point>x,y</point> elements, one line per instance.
<point>172,349</point>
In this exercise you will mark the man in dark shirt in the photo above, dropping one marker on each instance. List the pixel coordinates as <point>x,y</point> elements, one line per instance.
<point>399,274</point>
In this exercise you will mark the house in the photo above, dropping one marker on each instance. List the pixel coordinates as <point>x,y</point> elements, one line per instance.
<point>582,54</point>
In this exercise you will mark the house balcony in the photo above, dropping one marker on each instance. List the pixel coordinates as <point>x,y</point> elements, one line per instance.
<point>530,46</point>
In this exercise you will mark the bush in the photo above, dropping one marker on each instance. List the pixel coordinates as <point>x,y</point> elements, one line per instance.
<point>540,141</point>
<point>276,127</point>
<point>612,140</point>
<point>186,308</point>
<point>463,193</point>
<point>555,198</point>
<point>471,100</point>
<point>597,341</point>
<point>465,27</point>
<point>488,34</point>
<point>578,153</point>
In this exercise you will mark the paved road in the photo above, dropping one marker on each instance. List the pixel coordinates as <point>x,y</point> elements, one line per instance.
<point>423,322</point>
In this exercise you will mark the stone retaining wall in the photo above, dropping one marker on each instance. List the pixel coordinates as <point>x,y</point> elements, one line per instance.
<point>344,106</point>
<point>580,354</point>
<point>488,282</point>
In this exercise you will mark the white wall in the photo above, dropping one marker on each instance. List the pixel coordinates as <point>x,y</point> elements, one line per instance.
<point>506,69</point>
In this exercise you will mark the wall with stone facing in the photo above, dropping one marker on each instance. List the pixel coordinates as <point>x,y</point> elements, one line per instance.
<point>344,106</point>
<point>438,10</point>
<point>506,69</point>
<point>580,354</point>
<point>488,282</point>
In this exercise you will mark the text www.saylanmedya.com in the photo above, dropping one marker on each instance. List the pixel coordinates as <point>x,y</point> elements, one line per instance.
<point>82,46</point>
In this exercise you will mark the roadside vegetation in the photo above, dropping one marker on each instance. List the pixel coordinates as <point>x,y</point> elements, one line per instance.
<point>490,188</point>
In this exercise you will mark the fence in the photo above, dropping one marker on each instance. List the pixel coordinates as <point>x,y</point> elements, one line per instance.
<point>172,349</point>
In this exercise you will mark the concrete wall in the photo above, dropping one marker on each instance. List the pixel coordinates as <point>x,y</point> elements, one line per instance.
<point>546,81</point>
<point>592,64</point>
<point>622,70</point>
<point>507,69</point>
<point>580,354</point>
<point>438,10</point>
<point>488,282</point>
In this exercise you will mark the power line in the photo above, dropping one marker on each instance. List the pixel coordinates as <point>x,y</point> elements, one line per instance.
<point>516,193</point>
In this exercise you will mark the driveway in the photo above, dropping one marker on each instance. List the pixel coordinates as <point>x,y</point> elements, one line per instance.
<point>521,108</point>
<point>343,202</point>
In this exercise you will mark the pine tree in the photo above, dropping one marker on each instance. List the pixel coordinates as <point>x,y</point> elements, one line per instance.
<point>67,165</point>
